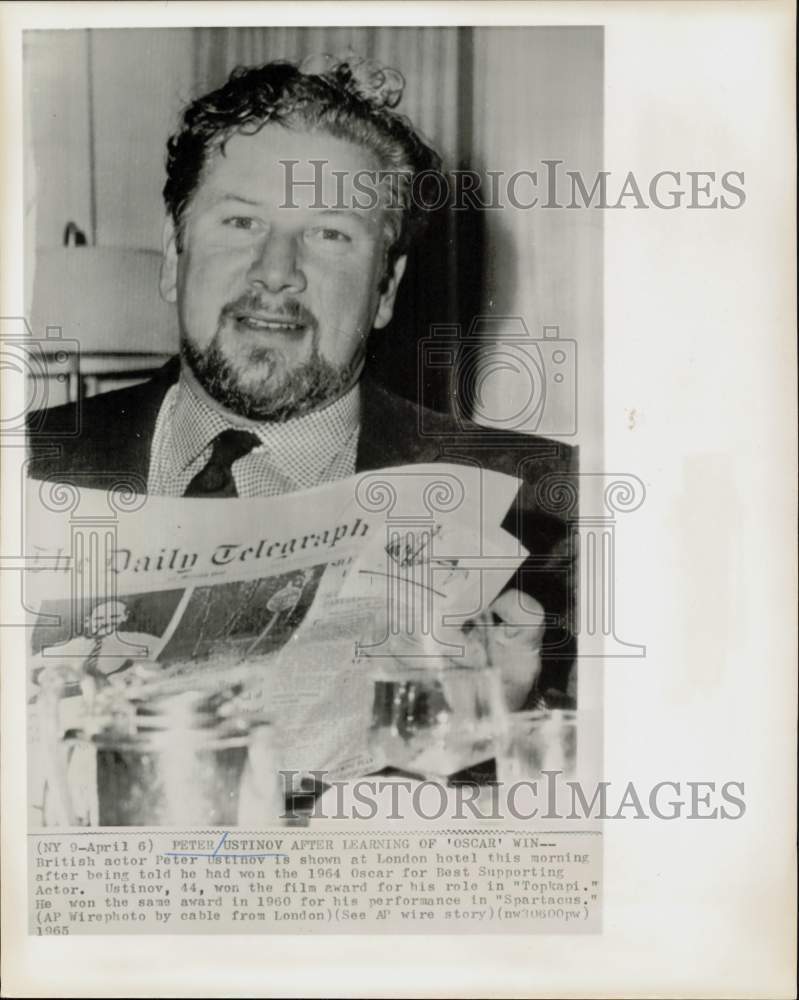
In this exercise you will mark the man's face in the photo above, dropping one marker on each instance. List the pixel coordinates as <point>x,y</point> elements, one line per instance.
<point>107,618</point>
<point>277,288</point>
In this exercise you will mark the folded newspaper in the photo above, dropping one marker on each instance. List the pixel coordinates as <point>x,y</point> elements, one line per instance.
<point>287,609</point>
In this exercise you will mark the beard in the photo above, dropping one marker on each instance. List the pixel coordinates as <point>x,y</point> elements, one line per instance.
<point>234,383</point>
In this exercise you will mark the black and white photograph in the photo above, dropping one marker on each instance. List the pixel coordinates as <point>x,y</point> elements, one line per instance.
<point>140,620</point>
<point>242,619</point>
<point>280,257</point>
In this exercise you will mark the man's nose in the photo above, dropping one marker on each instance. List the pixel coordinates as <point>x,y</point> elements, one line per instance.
<point>276,266</point>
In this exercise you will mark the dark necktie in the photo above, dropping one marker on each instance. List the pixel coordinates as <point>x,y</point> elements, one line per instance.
<point>91,661</point>
<point>216,478</point>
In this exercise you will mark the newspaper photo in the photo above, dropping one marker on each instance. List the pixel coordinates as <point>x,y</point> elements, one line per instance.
<point>382,575</point>
<point>268,588</point>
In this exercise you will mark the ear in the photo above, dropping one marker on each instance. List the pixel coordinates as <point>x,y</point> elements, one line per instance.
<point>385,307</point>
<point>169,262</point>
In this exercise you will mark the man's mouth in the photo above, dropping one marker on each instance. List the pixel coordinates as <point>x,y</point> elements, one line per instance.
<point>269,324</point>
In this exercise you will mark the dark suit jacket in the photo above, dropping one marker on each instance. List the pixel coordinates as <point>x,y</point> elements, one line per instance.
<point>106,440</point>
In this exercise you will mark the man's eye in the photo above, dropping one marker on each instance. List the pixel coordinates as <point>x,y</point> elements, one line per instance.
<point>240,222</point>
<point>324,234</point>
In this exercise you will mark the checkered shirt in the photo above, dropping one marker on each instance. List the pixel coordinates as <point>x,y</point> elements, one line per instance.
<point>295,455</point>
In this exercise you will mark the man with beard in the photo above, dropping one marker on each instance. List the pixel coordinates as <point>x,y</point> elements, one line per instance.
<point>291,210</point>
<point>105,649</point>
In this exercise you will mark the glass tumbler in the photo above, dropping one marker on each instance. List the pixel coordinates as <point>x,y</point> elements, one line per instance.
<point>435,720</point>
<point>536,741</point>
<point>183,760</point>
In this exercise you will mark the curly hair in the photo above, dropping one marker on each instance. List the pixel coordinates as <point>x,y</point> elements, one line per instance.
<point>340,101</point>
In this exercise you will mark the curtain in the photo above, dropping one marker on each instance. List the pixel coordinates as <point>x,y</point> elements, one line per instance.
<point>428,58</point>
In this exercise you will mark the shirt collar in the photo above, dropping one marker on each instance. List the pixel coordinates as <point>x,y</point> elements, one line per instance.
<point>302,447</point>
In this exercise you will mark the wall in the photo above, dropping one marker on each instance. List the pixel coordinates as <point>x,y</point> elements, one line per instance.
<point>539,96</point>
<point>103,104</point>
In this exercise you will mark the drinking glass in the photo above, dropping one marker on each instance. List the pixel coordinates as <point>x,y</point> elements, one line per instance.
<point>192,758</point>
<point>435,720</point>
<point>536,741</point>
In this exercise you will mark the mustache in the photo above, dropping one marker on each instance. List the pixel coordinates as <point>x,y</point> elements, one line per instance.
<point>275,308</point>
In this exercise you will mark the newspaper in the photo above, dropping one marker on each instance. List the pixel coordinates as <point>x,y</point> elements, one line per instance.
<point>222,692</point>
<point>186,598</point>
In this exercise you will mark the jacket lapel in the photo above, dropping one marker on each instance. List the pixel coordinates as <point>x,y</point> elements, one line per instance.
<point>131,450</point>
<point>106,438</point>
<point>389,433</point>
